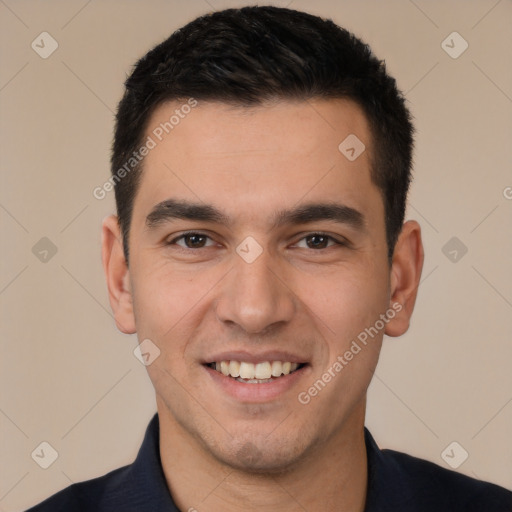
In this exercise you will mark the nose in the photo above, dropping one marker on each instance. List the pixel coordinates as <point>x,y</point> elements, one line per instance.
<point>255,296</point>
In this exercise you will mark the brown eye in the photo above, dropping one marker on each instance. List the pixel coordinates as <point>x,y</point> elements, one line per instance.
<point>191,241</point>
<point>194,241</point>
<point>317,241</point>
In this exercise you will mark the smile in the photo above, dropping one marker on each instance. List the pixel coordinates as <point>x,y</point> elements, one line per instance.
<point>258,373</point>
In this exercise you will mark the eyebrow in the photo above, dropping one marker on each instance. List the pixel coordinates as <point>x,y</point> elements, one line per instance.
<point>171,209</point>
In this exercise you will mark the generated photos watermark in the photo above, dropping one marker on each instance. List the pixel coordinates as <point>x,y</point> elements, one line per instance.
<point>356,346</point>
<point>157,135</point>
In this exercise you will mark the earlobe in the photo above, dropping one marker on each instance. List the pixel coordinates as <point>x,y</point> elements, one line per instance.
<point>117,275</point>
<point>406,268</point>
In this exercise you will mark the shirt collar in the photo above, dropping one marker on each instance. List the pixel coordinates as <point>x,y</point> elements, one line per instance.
<point>147,478</point>
<point>388,488</point>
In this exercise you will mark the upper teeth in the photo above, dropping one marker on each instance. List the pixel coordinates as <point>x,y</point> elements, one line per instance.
<point>260,371</point>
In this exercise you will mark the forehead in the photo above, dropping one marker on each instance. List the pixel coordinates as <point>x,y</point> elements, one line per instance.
<point>291,127</point>
<point>244,157</point>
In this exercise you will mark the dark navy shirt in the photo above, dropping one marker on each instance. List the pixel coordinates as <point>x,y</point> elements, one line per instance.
<point>396,483</point>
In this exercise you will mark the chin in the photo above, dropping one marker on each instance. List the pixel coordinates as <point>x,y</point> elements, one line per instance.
<point>262,457</point>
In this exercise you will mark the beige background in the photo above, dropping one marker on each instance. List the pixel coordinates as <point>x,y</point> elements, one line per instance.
<point>70,378</point>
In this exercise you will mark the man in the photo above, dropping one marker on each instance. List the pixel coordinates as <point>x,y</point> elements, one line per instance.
<point>261,164</point>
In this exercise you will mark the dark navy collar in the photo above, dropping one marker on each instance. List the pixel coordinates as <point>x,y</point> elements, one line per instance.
<point>141,486</point>
<point>388,488</point>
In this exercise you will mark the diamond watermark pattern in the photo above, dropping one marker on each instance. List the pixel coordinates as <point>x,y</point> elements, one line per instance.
<point>454,45</point>
<point>454,455</point>
<point>454,249</point>
<point>44,250</point>
<point>44,455</point>
<point>44,45</point>
<point>351,147</point>
<point>249,250</point>
<point>146,352</point>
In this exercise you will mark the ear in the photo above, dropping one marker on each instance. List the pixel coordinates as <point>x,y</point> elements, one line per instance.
<point>406,267</point>
<point>117,275</point>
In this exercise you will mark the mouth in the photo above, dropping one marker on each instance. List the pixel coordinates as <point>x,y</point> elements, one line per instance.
<point>263,372</point>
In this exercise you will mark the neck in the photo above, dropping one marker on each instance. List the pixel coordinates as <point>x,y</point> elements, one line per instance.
<point>332,477</point>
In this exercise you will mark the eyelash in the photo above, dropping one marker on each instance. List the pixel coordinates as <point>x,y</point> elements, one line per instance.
<point>312,234</point>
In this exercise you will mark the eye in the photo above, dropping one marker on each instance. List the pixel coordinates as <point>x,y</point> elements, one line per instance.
<point>196,240</point>
<point>318,241</point>
<point>192,240</point>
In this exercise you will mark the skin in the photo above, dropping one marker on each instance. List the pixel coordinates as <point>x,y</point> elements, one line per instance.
<point>219,452</point>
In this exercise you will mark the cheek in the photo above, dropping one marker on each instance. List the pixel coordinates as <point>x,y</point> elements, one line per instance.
<point>347,301</point>
<point>170,301</point>
<point>348,305</point>
<point>167,306</point>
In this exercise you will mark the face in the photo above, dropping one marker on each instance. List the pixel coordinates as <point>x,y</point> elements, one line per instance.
<point>258,258</point>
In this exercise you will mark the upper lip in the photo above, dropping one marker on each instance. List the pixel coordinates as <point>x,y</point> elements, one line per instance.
<point>254,358</point>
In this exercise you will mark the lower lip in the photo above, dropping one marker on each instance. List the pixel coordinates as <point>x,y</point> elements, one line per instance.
<point>256,393</point>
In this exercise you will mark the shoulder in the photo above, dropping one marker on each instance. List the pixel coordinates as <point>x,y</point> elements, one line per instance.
<point>439,486</point>
<point>399,482</point>
<point>83,496</point>
<point>140,486</point>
